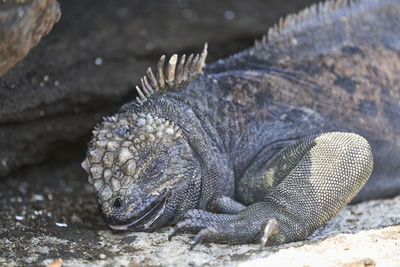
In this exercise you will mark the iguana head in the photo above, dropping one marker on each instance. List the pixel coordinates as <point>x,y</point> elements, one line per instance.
<point>140,164</point>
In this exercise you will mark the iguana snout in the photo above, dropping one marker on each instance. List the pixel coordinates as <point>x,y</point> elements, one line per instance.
<point>144,216</point>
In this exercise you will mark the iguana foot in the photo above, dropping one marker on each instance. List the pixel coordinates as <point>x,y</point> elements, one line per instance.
<point>225,228</point>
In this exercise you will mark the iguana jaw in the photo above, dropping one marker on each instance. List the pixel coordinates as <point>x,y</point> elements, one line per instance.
<point>147,216</point>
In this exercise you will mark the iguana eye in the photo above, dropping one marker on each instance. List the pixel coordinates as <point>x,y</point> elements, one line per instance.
<point>117,202</point>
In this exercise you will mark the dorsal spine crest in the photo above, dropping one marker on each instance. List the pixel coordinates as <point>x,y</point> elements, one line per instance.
<point>317,10</point>
<point>177,72</point>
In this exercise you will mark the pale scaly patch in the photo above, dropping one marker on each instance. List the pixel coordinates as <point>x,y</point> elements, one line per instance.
<point>112,162</point>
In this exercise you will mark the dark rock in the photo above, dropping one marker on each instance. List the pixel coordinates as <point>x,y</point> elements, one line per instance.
<point>89,64</point>
<point>23,23</point>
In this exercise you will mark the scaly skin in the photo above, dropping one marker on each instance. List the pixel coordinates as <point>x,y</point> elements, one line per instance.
<point>257,148</point>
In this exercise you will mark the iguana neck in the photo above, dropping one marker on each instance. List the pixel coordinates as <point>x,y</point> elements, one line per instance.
<point>202,136</point>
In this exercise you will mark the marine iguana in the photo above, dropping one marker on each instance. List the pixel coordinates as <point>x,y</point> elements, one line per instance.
<point>266,145</point>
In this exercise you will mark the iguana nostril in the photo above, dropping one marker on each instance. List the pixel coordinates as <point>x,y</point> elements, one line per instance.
<point>117,202</point>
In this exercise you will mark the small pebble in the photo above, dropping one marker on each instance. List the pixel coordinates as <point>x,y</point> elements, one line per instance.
<point>98,61</point>
<point>102,256</point>
<point>229,14</point>
<point>149,46</point>
<point>4,162</point>
<point>38,197</point>
<point>56,263</point>
<point>61,224</point>
<point>38,212</point>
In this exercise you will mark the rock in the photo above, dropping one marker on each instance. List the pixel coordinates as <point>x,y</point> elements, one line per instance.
<point>23,24</point>
<point>95,55</point>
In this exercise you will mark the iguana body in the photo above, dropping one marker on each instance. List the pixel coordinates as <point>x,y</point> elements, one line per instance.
<point>257,147</point>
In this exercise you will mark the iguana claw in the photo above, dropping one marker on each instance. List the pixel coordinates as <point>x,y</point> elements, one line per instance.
<point>172,233</point>
<point>270,229</point>
<point>196,240</point>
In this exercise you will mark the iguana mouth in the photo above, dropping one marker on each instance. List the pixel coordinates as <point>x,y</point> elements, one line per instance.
<point>145,218</point>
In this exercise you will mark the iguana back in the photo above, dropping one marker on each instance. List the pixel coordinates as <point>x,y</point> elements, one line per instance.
<point>333,66</point>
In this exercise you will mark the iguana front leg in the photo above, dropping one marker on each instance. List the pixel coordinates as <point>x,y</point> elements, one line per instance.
<point>301,187</point>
